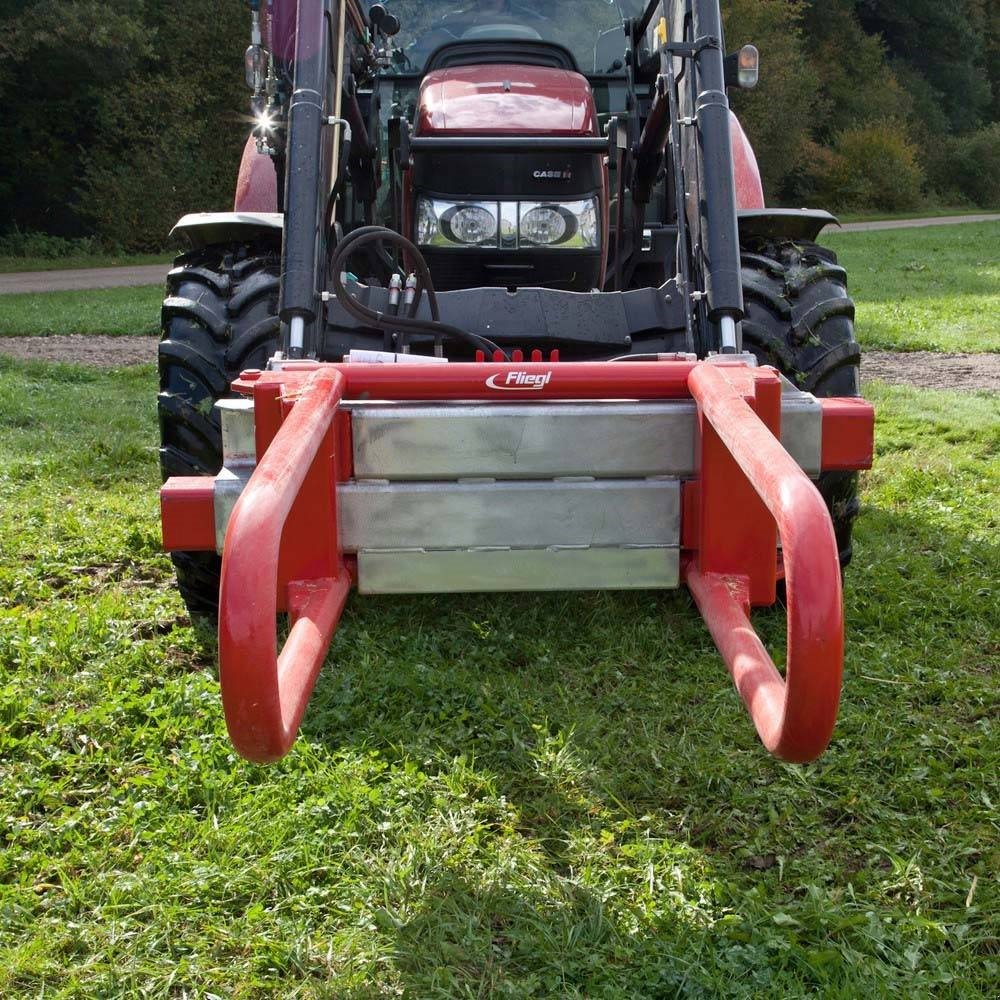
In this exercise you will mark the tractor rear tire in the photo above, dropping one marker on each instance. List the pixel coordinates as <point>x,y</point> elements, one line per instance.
<point>800,319</point>
<point>219,318</point>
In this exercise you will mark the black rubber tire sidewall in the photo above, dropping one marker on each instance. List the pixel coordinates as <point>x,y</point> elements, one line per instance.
<point>800,319</point>
<point>219,318</point>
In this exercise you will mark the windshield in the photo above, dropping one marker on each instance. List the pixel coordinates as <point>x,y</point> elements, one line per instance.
<point>590,29</point>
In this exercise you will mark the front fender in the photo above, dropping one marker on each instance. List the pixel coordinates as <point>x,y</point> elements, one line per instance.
<point>257,183</point>
<point>746,172</point>
<point>204,229</point>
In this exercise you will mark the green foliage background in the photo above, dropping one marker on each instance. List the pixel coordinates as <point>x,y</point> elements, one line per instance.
<point>118,118</point>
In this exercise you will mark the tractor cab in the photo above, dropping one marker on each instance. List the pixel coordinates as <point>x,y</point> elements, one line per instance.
<point>504,110</point>
<point>587,29</point>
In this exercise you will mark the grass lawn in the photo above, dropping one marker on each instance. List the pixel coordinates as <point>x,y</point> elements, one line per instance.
<point>13,265</point>
<point>521,796</point>
<point>916,289</point>
<point>924,289</point>
<point>113,311</point>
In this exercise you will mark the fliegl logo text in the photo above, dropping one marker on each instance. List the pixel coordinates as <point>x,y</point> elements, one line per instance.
<point>518,381</point>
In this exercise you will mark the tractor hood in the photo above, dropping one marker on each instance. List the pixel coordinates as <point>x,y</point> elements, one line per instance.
<point>506,100</point>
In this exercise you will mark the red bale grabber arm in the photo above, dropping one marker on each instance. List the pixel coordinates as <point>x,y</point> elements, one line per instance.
<point>749,484</point>
<point>264,695</point>
<point>511,476</point>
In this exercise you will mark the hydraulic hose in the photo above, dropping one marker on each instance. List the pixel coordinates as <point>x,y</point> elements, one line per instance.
<point>384,321</point>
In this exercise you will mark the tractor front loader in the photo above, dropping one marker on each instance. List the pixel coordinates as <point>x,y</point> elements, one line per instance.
<point>500,307</point>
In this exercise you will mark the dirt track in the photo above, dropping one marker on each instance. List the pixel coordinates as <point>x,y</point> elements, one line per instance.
<point>80,278</point>
<point>929,370</point>
<point>99,352</point>
<point>919,368</point>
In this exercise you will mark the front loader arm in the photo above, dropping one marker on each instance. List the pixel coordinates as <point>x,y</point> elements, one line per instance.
<point>681,42</point>
<point>309,155</point>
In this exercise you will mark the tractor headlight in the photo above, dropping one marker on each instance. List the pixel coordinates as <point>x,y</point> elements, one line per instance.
<point>473,225</point>
<point>545,226</point>
<point>466,224</point>
<point>590,231</point>
<point>571,224</point>
<point>508,225</point>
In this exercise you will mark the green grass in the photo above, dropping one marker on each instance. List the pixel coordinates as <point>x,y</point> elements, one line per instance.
<point>112,311</point>
<point>918,289</point>
<point>521,796</point>
<point>924,289</point>
<point>13,265</point>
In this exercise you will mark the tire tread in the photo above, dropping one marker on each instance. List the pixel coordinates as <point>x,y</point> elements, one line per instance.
<point>800,319</point>
<point>219,317</point>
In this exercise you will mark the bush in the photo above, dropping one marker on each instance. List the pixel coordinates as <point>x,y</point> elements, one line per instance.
<point>874,168</point>
<point>964,167</point>
<point>41,245</point>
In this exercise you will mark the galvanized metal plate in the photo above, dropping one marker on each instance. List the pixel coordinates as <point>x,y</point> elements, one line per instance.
<point>519,514</point>
<point>486,570</point>
<point>524,441</point>
<point>606,440</point>
<point>802,430</point>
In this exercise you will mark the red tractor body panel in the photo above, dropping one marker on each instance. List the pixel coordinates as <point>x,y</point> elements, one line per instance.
<point>746,172</point>
<point>257,183</point>
<point>506,100</point>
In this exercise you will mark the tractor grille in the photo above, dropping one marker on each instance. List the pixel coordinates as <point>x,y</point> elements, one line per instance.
<point>564,270</point>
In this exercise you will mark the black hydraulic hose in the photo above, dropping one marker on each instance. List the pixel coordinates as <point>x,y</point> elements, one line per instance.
<point>383,321</point>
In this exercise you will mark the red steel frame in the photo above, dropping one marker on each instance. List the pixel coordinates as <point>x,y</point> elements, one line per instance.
<point>282,551</point>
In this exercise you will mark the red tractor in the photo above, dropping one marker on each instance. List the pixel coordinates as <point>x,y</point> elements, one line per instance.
<point>501,307</point>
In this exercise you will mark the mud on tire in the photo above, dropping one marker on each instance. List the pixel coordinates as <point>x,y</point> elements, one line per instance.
<point>801,320</point>
<point>219,317</point>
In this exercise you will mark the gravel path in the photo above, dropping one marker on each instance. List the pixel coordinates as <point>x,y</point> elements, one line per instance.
<point>944,220</point>
<point>923,369</point>
<point>929,370</point>
<point>83,278</point>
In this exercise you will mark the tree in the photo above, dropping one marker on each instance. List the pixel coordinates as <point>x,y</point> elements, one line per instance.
<point>172,132</point>
<point>856,84</point>
<point>118,119</point>
<point>56,61</point>
<point>945,43</point>
<point>778,115</point>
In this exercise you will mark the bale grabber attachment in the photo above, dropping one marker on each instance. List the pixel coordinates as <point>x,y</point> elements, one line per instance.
<point>521,476</point>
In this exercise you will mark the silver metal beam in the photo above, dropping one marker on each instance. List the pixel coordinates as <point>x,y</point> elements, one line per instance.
<point>485,570</point>
<point>802,430</point>
<point>528,441</point>
<point>517,514</point>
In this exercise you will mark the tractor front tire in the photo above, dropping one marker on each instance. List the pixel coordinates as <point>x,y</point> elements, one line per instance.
<point>800,319</point>
<point>219,318</point>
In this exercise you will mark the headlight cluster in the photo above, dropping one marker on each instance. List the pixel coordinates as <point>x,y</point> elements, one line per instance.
<point>508,225</point>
